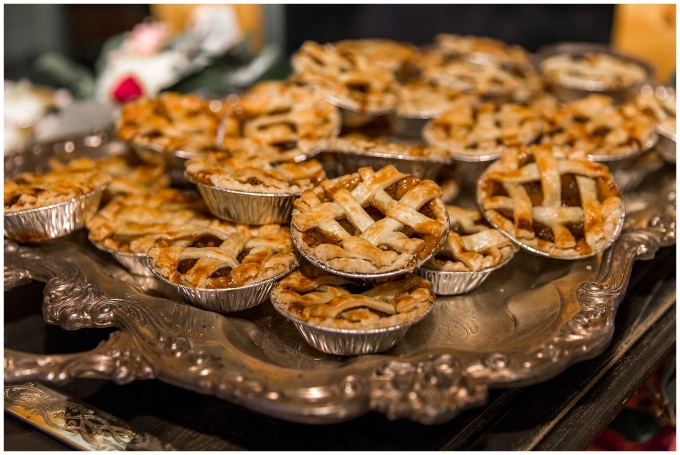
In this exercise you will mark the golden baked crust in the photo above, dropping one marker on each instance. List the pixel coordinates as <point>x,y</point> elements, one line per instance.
<point>212,259</point>
<point>32,190</point>
<point>595,126</point>
<point>353,83</point>
<point>661,110</point>
<point>494,50</point>
<point>602,71</point>
<point>552,201</point>
<point>484,129</point>
<point>353,144</point>
<point>472,245</point>
<point>383,53</point>
<point>133,223</point>
<point>370,222</point>
<point>421,99</point>
<point>319,298</point>
<point>283,115</point>
<point>171,122</point>
<point>128,177</point>
<point>253,168</point>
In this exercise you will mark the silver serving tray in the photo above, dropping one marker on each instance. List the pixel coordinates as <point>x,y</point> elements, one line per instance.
<point>525,324</point>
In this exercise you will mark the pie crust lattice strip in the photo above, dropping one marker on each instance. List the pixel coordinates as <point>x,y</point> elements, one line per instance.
<point>552,204</point>
<point>369,223</point>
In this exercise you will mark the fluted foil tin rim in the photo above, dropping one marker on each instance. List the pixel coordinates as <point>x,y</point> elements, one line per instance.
<point>615,236</point>
<point>223,203</point>
<point>667,146</point>
<point>78,207</point>
<point>335,339</point>
<point>226,300</point>
<point>162,152</point>
<point>135,263</point>
<point>343,104</point>
<point>367,276</point>
<point>446,282</point>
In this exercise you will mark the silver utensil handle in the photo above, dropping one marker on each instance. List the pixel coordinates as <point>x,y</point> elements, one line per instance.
<point>73,422</point>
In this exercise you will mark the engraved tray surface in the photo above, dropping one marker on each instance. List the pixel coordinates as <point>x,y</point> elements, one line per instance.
<point>528,322</point>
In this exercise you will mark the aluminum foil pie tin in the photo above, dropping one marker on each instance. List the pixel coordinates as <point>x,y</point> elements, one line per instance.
<point>627,179</point>
<point>368,277</point>
<point>469,168</point>
<point>454,283</point>
<point>245,207</point>
<point>53,221</point>
<point>666,144</point>
<point>409,125</point>
<point>567,94</point>
<point>135,263</point>
<point>225,300</point>
<point>624,162</point>
<point>351,342</point>
<point>422,168</point>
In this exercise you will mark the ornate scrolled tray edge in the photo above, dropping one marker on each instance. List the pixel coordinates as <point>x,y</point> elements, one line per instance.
<point>429,388</point>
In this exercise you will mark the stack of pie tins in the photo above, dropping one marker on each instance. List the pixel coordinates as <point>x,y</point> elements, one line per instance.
<point>364,233</point>
<point>40,207</point>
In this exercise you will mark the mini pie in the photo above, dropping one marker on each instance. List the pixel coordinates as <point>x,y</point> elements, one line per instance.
<point>551,201</point>
<point>127,177</point>
<point>441,69</point>
<point>483,130</point>
<point>370,222</point>
<point>493,49</point>
<point>171,122</point>
<point>131,224</point>
<point>384,53</point>
<point>660,110</point>
<point>353,82</point>
<point>283,115</point>
<point>253,168</point>
<point>595,126</point>
<point>593,71</point>
<point>319,298</point>
<point>351,144</point>
<point>472,244</point>
<point>32,190</point>
<point>421,99</point>
<point>213,259</point>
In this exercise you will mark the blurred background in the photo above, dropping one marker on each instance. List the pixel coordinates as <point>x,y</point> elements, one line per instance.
<point>102,55</point>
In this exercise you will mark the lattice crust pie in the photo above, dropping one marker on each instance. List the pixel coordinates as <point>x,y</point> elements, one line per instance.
<point>283,115</point>
<point>472,244</point>
<point>32,190</point>
<point>441,69</point>
<point>322,299</point>
<point>483,130</point>
<point>563,207</point>
<point>131,224</point>
<point>254,169</point>
<point>354,144</point>
<point>418,98</point>
<point>127,176</point>
<point>593,71</point>
<point>384,53</point>
<point>212,259</point>
<point>660,110</point>
<point>171,122</point>
<point>371,222</point>
<point>595,126</point>
<point>353,82</point>
<point>494,50</point>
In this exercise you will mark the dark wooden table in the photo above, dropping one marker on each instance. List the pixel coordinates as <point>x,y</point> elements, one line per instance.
<point>564,413</point>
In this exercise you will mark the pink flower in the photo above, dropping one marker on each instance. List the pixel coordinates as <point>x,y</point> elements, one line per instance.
<point>127,90</point>
<point>146,38</point>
